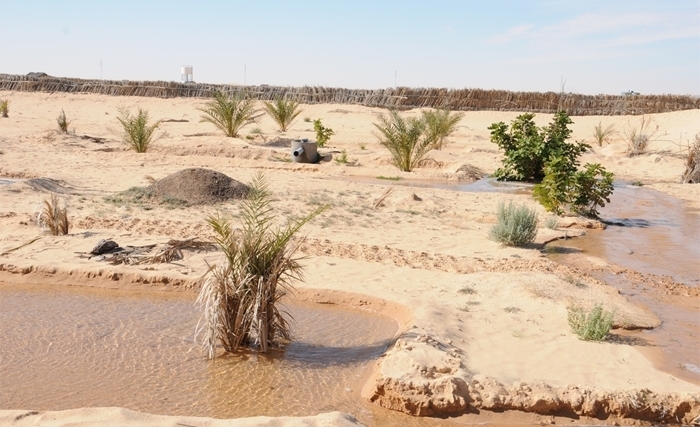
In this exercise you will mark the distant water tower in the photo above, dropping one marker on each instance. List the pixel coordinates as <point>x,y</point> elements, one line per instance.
<point>187,75</point>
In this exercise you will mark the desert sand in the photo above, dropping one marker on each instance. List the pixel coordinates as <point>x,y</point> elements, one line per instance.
<point>482,325</point>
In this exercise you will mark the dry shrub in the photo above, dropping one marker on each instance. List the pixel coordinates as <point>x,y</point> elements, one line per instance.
<point>692,163</point>
<point>639,138</point>
<point>54,217</point>
<point>4,107</point>
<point>63,122</point>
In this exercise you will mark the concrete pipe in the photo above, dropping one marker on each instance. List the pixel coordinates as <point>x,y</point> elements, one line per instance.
<point>304,151</point>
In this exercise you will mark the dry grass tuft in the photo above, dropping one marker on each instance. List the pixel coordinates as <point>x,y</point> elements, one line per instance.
<point>63,122</point>
<point>4,108</point>
<point>639,138</point>
<point>54,217</point>
<point>692,163</point>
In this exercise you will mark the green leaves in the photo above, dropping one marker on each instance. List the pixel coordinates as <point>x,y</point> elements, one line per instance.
<point>283,112</point>
<point>528,148</point>
<point>544,155</point>
<point>229,114</point>
<point>407,139</point>
<point>441,124</point>
<point>239,295</point>
<point>323,134</point>
<point>138,134</point>
<point>592,326</point>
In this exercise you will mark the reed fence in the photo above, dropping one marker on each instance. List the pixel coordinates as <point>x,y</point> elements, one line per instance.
<point>400,98</point>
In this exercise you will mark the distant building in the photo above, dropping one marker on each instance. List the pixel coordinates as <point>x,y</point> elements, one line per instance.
<point>629,93</point>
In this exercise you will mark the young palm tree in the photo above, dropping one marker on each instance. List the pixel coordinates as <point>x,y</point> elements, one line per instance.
<point>283,112</point>
<point>240,295</point>
<point>441,124</point>
<point>138,134</point>
<point>228,113</point>
<point>407,140</point>
<point>601,135</point>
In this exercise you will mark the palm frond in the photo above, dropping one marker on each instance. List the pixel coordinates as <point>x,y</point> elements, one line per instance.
<point>229,114</point>
<point>283,112</point>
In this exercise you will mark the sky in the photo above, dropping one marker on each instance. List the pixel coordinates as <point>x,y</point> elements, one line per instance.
<point>584,46</point>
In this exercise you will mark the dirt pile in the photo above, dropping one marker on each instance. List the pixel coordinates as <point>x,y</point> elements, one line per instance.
<point>198,186</point>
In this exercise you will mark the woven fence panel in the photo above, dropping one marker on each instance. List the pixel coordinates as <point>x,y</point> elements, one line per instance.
<point>400,98</point>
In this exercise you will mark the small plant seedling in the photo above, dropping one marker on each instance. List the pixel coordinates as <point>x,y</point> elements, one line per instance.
<point>601,135</point>
<point>323,134</point>
<point>307,119</point>
<point>512,310</point>
<point>363,146</point>
<point>63,122</point>
<point>343,158</point>
<point>4,108</point>
<point>137,133</point>
<point>256,130</point>
<point>593,325</point>
<point>637,183</point>
<point>389,178</point>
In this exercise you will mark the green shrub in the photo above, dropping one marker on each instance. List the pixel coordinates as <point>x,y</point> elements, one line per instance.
<point>528,148</point>
<point>544,155</point>
<point>138,134</point>
<point>407,140</point>
<point>62,122</point>
<point>441,124</point>
<point>229,113</point>
<point>4,108</point>
<point>283,112</point>
<point>580,192</point>
<point>515,225</point>
<point>601,135</point>
<point>323,134</point>
<point>592,326</point>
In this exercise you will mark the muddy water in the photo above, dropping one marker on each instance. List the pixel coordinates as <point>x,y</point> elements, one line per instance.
<point>69,348</point>
<point>655,234</point>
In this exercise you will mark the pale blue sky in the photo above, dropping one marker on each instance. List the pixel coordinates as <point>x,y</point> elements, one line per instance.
<point>597,46</point>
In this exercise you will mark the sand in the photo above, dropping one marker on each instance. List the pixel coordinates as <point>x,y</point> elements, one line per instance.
<point>481,324</point>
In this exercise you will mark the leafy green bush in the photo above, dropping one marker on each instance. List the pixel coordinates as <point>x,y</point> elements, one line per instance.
<point>592,326</point>
<point>407,140</point>
<point>63,122</point>
<point>528,148</point>
<point>544,155</point>
<point>283,112</point>
<point>138,134</point>
<point>229,113</point>
<point>323,134</point>
<point>515,225</point>
<point>441,124</point>
<point>580,192</point>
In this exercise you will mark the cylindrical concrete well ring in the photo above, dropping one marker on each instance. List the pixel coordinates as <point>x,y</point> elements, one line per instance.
<point>304,151</point>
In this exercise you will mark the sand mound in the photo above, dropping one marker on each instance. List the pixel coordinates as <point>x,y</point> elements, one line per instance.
<point>198,186</point>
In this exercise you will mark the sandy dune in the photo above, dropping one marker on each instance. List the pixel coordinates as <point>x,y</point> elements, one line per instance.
<point>477,319</point>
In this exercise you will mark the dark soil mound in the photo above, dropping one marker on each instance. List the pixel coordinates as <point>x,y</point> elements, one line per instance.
<point>197,186</point>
